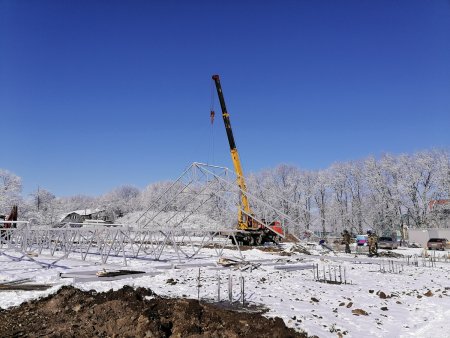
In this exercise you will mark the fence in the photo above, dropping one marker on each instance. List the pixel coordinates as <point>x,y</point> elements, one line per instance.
<point>232,297</point>
<point>331,274</point>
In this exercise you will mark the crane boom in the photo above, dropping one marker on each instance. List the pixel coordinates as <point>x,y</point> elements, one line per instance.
<point>235,157</point>
<point>252,231</point>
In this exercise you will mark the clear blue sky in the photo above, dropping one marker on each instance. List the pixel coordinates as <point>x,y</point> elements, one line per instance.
<point>96,94</point>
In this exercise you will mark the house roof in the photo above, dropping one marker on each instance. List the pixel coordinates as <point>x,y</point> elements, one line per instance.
<point>434,203</point>
<point>81,212</point>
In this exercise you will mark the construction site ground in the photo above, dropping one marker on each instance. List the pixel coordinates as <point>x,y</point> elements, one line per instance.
<point>401,293</point>
<point>132,313</point>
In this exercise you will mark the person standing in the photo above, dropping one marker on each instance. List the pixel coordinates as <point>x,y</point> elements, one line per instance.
<point>373,243</point>
<point>346,238</point>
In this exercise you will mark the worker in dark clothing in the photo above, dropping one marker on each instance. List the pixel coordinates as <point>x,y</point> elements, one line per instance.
<point>347,238</point>
<point>373,243</point>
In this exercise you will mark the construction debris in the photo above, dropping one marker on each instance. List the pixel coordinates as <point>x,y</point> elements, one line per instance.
<point>294,267</point>
<point>389,254</point>
<point>104,275</point>
<point>299,248</point>
<point>20,285</point>
<point>114,273</point>
<point>241,265</point>
<point>228,262</point>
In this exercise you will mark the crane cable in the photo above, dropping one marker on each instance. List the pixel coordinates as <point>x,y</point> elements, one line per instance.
<point>211,118</point>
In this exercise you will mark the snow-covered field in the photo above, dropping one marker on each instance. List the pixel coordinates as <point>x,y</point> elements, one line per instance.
<point>414,302</point>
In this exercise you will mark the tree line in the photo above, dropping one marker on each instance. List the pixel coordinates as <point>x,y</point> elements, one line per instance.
<point>382,193</point>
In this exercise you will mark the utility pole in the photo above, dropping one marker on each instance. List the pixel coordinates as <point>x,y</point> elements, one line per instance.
<point>38,199</point>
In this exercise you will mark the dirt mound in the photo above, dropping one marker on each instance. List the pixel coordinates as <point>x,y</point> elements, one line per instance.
<point>130,313</point>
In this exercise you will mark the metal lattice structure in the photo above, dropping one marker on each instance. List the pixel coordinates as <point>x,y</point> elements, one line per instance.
<point>212,191</point>
<point>197,213</point>
<point>102,243</point>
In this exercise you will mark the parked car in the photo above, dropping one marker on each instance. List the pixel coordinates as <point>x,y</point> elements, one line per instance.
<point>362,240</point>
<point>437,244</point>
<point>387,243</point>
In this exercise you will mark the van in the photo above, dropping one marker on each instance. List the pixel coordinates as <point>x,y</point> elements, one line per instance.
<point>387,242</point>
<point>437,244</point>
<point>362,240</point>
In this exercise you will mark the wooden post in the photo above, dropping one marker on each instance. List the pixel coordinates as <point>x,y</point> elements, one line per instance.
<point>317,269</point>
<point>242,291</point>
<point>198,285</point>
<point>218,287</point>
<point>230,289</point>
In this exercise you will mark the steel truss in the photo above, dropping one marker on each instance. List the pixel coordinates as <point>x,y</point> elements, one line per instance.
<point>198,211</point>
<point>104,243</point>
<point>211,190</point>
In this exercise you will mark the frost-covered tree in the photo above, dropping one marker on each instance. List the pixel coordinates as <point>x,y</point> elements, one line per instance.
<point>42,207</point>
<point>381,203</point>
<point>423,181</point>
<point>42,199</point>
<point>340,203</point>
<point>121,200</point>
<point>305,195</point>
<point>383,193</point>
<point>321,197</point>
<point>77,202</point>
<point>356,189</point>
<point>442,159</point>
<point>158,195</point>
<point>10,190</point>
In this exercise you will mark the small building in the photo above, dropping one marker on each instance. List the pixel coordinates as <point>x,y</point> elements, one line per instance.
<point>439,205</point>
<point>421,236</point>
<point>84,215</point>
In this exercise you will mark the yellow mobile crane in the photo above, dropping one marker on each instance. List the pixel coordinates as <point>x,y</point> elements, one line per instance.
<point>251,231</point>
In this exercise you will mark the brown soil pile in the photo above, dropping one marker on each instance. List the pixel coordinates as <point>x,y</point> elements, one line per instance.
<point>289,238</point>
<point>127,313</point>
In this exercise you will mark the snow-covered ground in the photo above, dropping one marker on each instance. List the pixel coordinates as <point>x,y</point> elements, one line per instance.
<point>414,302</point>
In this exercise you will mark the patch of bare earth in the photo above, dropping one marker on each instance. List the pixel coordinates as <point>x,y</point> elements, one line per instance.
<point>289,238</point>
<point>129,313</point>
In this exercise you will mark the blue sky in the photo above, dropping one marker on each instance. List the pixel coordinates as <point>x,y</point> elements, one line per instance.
<point>96,94</point>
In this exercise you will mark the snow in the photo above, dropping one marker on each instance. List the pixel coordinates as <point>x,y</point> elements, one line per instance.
<point>318,308</point>
<point>177,219</point>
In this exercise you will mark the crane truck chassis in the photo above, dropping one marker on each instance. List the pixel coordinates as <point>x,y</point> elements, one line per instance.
<point>250,231</point>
